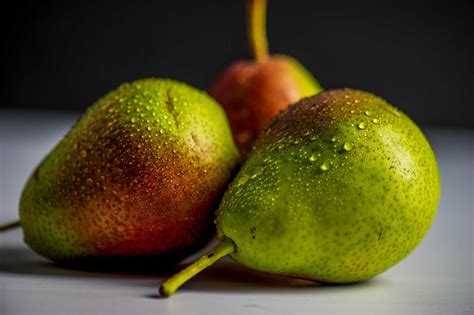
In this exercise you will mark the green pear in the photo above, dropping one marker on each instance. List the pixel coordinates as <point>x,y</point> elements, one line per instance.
<point>340,187</point>
<point>137,176</point>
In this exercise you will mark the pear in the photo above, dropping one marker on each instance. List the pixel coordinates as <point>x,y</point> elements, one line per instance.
<point>340,187</point>
<point>252,92</point>
<point>137,176</point>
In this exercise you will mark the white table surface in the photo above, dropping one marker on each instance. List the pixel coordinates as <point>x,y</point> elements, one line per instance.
<point>437,278</point>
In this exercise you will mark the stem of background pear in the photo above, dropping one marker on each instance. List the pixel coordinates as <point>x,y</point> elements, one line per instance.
<point>225,247</point>
<point>9,225</point>
<point>257,34</point>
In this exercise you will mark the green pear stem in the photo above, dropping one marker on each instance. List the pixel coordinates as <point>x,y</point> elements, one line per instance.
<point>225,247</point>
<point>256,10</point>
<point>9,225</point>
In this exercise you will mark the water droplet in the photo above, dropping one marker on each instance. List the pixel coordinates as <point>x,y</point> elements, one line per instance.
<point>148,128</point>
<point>242,180</point>
<point>333,139</point>
<point>133,119</point>
<point>375,121</point>
<point>258,172</point>
<point>83,153</point>
<point>367,113</point>
<point>348,146</point>
<point>362,125</point>
<point>352,111</point>
<point>162,131</point>
<point>313,157</point>
<point>325,166</point>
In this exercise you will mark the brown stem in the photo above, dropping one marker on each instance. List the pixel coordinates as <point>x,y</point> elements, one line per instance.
<point>9,225</point>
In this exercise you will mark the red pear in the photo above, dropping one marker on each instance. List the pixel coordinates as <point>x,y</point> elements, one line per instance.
<point>252,92</point>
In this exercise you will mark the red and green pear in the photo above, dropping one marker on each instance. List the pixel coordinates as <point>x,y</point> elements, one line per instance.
<point>137,176</point>
<point>252,92</point>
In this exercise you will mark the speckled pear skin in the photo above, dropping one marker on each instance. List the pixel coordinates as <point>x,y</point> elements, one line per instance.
<point>136,176</point>
<point>253,92</point>
<point>340,187</point>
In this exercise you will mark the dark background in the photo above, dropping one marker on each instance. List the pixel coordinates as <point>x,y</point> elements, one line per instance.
<point>416,54</point>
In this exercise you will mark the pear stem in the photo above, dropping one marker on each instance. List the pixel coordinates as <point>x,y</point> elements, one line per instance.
<point>225,247</point>
<point>256,16</point>
<point>9,225</point>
